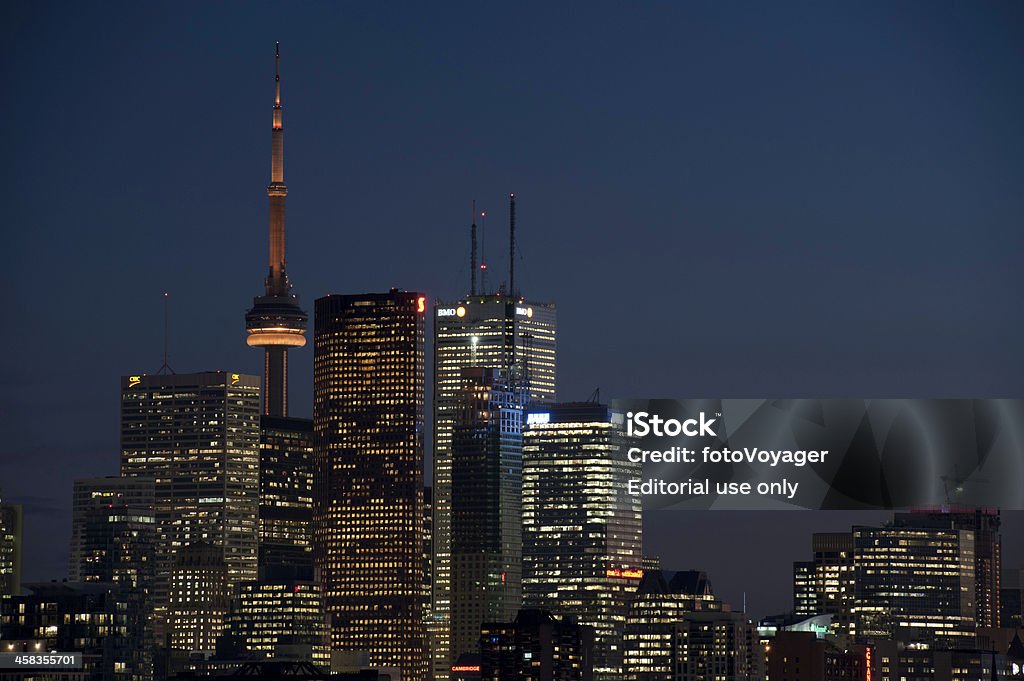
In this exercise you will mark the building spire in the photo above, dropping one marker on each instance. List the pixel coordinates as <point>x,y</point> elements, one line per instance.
<point>277,279</point>
<point>472,251</point>
<point>277,77</point>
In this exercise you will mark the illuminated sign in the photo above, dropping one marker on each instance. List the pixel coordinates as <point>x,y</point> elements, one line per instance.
<point>867,664</point>
<point>524,311</point>
<point>534,419</point>
<point>421,304</point>
<point>466,668</point>
<point>234,379</point>
<point>134,381</point>
<point>628,574</point>
<point>451,312</point>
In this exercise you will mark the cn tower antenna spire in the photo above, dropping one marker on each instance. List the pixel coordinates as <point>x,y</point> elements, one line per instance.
<point>277,75</point>
<point>276,323</point>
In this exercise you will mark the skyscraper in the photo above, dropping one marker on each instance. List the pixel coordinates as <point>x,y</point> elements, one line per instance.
<point>10,549</point>
<point>197,435</point>
<point>988,546</point>
<point>656,620</point>
<point>276,323</point>
<point>286,491</point>
<point>825,585</point>
<point>914,585</point>
<point>281,616</point>
<point>496,331</point>
<point>536,646</point>
<point>582,531</point>
<point>113,531</point>
<point>198,601</point>
<point>486,523</point>
<point>113,541</point>
<point>368,401</point>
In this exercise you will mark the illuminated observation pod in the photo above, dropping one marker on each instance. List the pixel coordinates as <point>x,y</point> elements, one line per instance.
<point>276,321</point>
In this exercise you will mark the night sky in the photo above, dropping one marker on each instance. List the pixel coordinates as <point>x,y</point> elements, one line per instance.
<point>724,200</point>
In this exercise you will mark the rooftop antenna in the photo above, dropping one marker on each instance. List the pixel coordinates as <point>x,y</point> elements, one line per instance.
<point>595,397</point>
<point>472,252</point>
<point>483,253</point>
<point>512,245</point>
<point>165,368</point>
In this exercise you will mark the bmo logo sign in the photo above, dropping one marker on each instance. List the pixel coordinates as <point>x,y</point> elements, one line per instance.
<point>451,311</point>
<point>524,311</point>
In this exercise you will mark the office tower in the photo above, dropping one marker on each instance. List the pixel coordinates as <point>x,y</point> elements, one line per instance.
<point>1011,598</point>
<point>502,332</point>
<point>286,491</point>
<point>825,585</point>
<point>113,540</point>
<point>536,646</point>
<point>368,395</point>
<point>113,531</point>
<point>93,618</point>
<point>281,615</point>
<point>651,635</point>
<point>10,549</point>
<point>988,546</point>
<point>582,530</point>
<point>198,601</point>
<point>428,554</point>
<point>197,435</point>
<point>705,645</point>
<point>276,323</point>
<point>486,521</point>
<point>915,585</point>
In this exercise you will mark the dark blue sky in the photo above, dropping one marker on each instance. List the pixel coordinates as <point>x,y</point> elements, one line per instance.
<point>724,199</point>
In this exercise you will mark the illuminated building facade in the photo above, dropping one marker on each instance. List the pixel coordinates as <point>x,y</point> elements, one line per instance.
<point>113,540</point>
<point>113,531</point>
<point>486,522</point>
<point>582,530</point>
<point>368,402</point>
<point>891,661</point>
<point>651,635</point>
<point>10,549</point>
<point>94,618</point>
<point>281,616</point>
<point>428,552</point>
<point>536,646</point>
<point>501,332</point>
<point>825,585</point>
<point>286,492</point>
<point>713,645</point>
<point>276,323</point>
<point>802,656</point>
<point>914,585</point>
<point>198,600</point>
<point>197,436</point>
<point>988,547</point>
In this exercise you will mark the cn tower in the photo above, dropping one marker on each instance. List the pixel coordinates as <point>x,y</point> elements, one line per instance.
<point>276,323</point>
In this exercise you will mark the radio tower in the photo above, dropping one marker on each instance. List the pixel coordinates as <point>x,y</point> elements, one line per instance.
<point>276,323</point>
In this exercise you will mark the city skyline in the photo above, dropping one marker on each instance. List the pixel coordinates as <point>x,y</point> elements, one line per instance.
<point>926,320</point>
